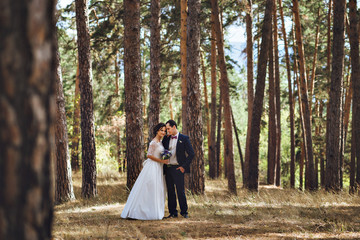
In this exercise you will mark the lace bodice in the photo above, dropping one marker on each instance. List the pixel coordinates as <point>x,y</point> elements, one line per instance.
<point>155,149</point>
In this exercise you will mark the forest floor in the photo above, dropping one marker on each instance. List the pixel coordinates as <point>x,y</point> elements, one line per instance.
<point>272,213</point>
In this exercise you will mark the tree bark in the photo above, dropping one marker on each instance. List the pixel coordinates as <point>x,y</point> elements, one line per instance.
<point>86,101</point>
<point>355,79</point>
<point>335,100</point>
<point>207,110</point>
<point>212,150</point>
<point>133,91</point>
<point>277,100</point>
<point>121,167</point>
<point>63,184</point>
<point>250,78</point>
<point>194,114</point>
<point>272,118</point>
<point>75,159</point>
<point>238,145</point>
<point>291,103</point>
<point>313,70</point>
<point>304,100</point>
<point>155,67</point>
<point>27,117</point>
<point>183,33</point>
<point>228,141</point>
<point>218,138</point>
<point>253,170</point>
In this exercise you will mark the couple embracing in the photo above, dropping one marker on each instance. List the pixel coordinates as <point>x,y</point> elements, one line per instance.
<point>146,200</point>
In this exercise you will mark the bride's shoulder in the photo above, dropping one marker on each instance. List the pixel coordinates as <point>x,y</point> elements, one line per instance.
<point>153,142</point>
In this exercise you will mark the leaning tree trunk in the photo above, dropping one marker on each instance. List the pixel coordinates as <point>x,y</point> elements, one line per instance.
<point>86,101</point>
<point>183,32</point>
<point>355,80</point>
<point>194,114</point>
<point>304,101</point>
<point>335,99</point>
<point>155,67</point>
<point>212,149</point>
<point>133,93</point>
<point>228,141</point>
<point>27,117</point>
<point>75,159</point>
<point>253,169</point>
<point>63,182</point>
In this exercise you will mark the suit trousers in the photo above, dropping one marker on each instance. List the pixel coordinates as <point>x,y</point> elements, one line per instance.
<point>175,178</point>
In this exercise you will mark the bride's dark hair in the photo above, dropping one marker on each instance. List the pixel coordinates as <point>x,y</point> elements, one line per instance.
<point>158,127</point>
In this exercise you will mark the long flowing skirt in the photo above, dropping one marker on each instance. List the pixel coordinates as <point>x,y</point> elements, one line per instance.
<point>146,200</point>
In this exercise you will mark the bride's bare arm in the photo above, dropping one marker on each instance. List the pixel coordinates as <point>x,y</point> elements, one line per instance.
<point>158,159</point>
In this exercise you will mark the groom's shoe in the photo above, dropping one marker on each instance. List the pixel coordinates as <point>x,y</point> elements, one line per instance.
<point>172,216</point>
<point>185,215</point>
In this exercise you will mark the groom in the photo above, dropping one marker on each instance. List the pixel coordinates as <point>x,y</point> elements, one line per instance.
<point>182,155</point>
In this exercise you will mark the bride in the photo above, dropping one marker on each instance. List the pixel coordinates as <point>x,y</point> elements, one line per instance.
<point>147,197</point>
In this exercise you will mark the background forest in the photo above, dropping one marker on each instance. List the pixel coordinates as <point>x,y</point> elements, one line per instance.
<point>106,30</point>
<point>268,92</point>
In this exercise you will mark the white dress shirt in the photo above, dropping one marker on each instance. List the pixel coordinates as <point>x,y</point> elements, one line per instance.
<point>172,148</point>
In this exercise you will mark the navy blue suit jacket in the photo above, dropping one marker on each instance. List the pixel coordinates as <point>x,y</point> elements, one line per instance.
<point>184,151</point>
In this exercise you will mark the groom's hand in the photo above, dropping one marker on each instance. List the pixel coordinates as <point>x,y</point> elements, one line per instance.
<point>181,169</point>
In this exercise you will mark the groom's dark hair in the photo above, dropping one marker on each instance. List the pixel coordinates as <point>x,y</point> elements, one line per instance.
<point>171,123</point>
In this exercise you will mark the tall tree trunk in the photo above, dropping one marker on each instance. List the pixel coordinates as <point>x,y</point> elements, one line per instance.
<point>322,151</point>
<point>253,170</point>
<point>63,184</point>
<point>291,104</point>
<point>328,69</point>
<point>27,117</point>
<point>207,110</point>
<point>228,141</point>
<point>194,115</point>
<point>301,111</point>
<point>301,174</point>
<point>218,138</point>
<point>277,100</point>
<point>75,153</point>
<point>355,79</point>
<point>250,78</point>
<point>133,92</point>
<point>238,144</point>
<point>86,101</point>
<point>304,100</point>
<point>335,99</point>
<point>272,118</point>
<point>183,32</point>
<point>117,122</point>
<point>313,71</point>
<point>155,67</point>
<point>212,150</point>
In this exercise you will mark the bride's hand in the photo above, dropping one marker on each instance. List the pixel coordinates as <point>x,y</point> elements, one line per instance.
<point>166,161</point>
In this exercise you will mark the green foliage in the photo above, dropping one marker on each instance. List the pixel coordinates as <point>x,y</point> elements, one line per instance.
<point>106,27</point>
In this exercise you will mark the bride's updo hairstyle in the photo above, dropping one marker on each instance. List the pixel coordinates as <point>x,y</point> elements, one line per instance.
<point>158,127</point>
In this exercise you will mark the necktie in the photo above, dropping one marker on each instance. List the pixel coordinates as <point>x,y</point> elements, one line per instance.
<point>173,137</point>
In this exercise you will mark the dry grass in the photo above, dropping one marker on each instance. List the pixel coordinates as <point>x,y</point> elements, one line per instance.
<point>273,213</point>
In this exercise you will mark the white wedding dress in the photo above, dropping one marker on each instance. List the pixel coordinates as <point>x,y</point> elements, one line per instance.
<point>147,197</point>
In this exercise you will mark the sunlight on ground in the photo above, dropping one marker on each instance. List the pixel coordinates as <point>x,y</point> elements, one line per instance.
<point>100,208</point>
<point>272,213</point>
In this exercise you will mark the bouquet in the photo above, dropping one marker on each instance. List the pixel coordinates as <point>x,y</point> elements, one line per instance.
<point>166,154</point>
